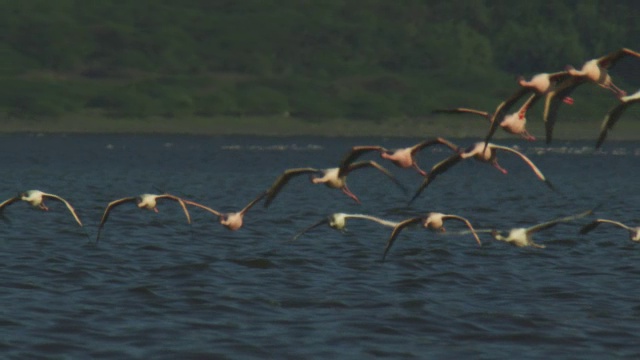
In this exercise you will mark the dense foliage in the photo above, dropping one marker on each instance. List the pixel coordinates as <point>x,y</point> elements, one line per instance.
<point>370,59</point>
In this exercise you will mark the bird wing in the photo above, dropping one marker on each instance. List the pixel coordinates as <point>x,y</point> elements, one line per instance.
<point>396,231</point>
<point>283,179</point>
<point>559,76</point>
<point>108,209</point>
<point>180,201</point>
<point>355,153</point>
<point>610,120</point>
<point>313,226</point>
<point>9,202</point>
<point>553,100</point>
<point>535,169</point>
<point>436,170</point>
<point>528,104</point>
<point>431,142</point>
<point>552,223</point>
<point>611,59</point>
<point>206,208</point>
<point>502,110</point>
<point>592,225</point>
<point>253,202</point>
<point>373,164</point>
<point>461,110</point>
<point>372,218</point>
<point>460,218</point>
<point>71,209</point>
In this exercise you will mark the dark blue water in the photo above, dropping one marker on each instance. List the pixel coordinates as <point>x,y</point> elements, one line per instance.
<point>155,287</point>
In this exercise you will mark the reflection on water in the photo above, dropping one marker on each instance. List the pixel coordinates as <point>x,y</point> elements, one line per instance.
<point>155,287</point>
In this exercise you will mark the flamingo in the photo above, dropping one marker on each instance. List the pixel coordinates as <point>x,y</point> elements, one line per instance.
<point>595,71</point>
<point>634,232</point>
<point>524,236</point>
<point>36,199</point>
<point>403,158</point>
<point>338,221</point>
<point>335,178</point>
<point>614,114</point>
<point>487,156</point>
<point>144,201</point>
<point>540,84</point>
<point>233,220</point>
<point>433,221</point>
<point>514,123</point>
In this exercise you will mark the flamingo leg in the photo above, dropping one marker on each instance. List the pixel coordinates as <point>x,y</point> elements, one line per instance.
<point>497,166</point>
<point>619,92</point>
<point>155,209</point>
<point>43,206</point>
<point>527,136</point>
<point>422,172</point>
<point>568,100</point>
<point>350,194</point>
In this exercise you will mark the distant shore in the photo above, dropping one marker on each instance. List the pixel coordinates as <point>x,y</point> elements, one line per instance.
<point>449,126</point>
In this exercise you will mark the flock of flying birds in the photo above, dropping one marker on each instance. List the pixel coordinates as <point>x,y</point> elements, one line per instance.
<point>555,88</point>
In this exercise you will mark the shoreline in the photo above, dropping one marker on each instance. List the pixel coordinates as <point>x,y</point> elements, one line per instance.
<point>448,127</point>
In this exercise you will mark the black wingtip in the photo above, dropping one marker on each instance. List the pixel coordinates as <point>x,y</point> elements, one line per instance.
<point>550,185</point>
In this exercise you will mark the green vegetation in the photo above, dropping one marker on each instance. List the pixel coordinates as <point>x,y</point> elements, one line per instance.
<point>377,61</point>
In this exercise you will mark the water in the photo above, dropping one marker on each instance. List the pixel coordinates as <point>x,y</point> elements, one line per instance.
<point>155,287</point>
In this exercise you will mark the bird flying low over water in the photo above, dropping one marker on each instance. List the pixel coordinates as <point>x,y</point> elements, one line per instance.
<point>524,236</point>
<point>514,123</point>
<point>595,71</point>
<point>36,199</point>
<point>335,178</point>
<point>433,221</point>
<point>476,151</point>
<point>338,221</point>
<point>144,201</point>
<point>402,158</point>
<point>232,220</point>
<point>634,232</point>
<point>614,114</point>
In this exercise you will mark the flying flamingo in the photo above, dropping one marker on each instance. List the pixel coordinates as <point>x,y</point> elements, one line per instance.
<point>404,157</point>
<point>614,114</point>
<point>524,236</point>
<point>233,220</point>
<point>634,232</point>
<point>595,71</point>
<point>36,199</point>
<point>144,201</point>
<point>487,156</point>
<point>540,84</point>
<point>514,123</point>
<point>335,178</point>
<point>338,221</point>
<point>433,221</point>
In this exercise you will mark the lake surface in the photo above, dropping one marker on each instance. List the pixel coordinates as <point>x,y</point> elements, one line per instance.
<point>156,287</point>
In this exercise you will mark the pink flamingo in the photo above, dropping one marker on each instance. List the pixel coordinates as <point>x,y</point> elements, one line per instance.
<point>233,220</point>
<point>514,123</point>
<point>433,221</point>
<point>403,158</point>
<point>478,152</point>
<point>540,84</point>
<point>144,201</point>
<point>36,199</point>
